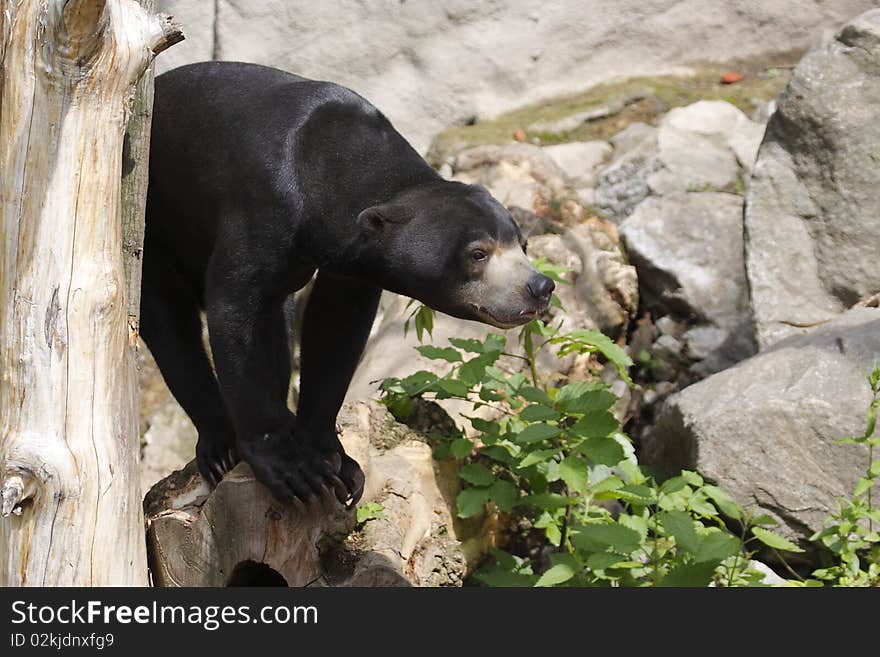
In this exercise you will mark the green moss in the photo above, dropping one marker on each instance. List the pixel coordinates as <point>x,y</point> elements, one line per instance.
<point>636,99</point>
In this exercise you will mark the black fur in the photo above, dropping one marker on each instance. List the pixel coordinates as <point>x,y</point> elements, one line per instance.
<point>258,180</point>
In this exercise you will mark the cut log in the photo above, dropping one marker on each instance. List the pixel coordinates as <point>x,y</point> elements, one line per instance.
<point>238,534</point>
<point>71,512</point>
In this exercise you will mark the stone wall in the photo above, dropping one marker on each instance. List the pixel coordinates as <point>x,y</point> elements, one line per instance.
<point>429,65</point>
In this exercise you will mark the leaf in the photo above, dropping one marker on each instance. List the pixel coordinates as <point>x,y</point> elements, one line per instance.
<point>470,501</point>
<point>454,387</point>
<point>603,560</point>
<point>532,394</point>
<point>504,494</point>
<point>467,344</point>
<point>717,546</point>
<point>484,426</point>
<point>622,540</point>
<point>726,505</point>
<point>693,574</point>
<point>596,425</point>
<point>370,511</point>
<point>601,450</point>
<point>584,340</point>
<point>585,397</point>
<point>692,478</point>
<point>424,322</point>
<point>476,474</point>
<point>499,453</point>
<point>538,456</point>
<point>436,353</point>
<point>535,433</point>
<point>680,525</point>
<point>538,412</point>
<point>548,501</point>
<point>558,574</point>
<point>764,520</point>
<point>774,540</point>
<point>506,579</point>
<point>636,494</point>
<point>461,447</point>
<point>574,472</point>
<point>673,485</point>
<point>863,486</point>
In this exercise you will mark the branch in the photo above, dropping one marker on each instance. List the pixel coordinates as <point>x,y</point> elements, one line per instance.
<point>165,33</point>
<point>11,494</point>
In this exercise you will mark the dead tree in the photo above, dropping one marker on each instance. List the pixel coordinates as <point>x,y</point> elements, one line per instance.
<point>69,493</point>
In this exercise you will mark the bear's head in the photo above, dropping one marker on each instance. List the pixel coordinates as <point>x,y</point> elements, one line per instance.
<point>456,249</point>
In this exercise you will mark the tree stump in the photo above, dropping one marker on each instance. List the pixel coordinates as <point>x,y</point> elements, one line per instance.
<point>238,534</point>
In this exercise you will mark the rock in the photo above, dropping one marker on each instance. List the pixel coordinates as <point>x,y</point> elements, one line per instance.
<point>764,111</point>
<point>168,437</point>
<point>701,147</point>
<point>687,248</point>
<point>168,444</point>
<point>431,65</point>
<point>766,430</point>
<point>518,175</point>
<point>238,533</point>
<point>623,184</point>
<point>812,204</point>
<point>580,159</point>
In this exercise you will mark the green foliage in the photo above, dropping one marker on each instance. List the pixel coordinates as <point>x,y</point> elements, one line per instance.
<point>555,456</point>
<point>370,511</point>
<point>851,534</point>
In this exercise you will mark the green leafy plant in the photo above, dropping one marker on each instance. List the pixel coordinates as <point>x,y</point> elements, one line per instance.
<point>555,457</point>
<point>851,534</point>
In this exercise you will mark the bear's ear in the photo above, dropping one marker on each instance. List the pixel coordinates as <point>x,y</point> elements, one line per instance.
<point>377,217</point>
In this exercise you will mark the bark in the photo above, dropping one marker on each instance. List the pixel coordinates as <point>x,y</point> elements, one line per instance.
<point>69,492</point>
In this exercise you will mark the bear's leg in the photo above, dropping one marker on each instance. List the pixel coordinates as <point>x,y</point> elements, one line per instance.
<point>252,357</point>
<point>337,321</point>
<point>172,329</point>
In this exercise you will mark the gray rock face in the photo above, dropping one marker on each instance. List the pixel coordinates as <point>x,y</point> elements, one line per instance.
<point>812,208</point>
<point>766,430</point>
<point>579,160</point>
<point>687,248</point>
<point>701,147</point>
<point>691,243</point>
<point>428,65</point>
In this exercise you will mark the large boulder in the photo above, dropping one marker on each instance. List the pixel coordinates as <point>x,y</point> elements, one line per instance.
<point>687,248</point>
<point>766,430</point>
<point>811,211</point>
<point>429,65</point>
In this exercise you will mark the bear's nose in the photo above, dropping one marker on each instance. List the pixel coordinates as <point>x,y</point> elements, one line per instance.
<point>541,287</point>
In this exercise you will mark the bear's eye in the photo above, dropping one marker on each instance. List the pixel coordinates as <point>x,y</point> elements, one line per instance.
<point>479,255</point>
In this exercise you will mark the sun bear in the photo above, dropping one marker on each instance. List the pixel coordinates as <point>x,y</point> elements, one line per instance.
<point>259,180</point>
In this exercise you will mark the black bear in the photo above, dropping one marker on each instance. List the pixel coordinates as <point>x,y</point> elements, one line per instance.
<point>258,180</point>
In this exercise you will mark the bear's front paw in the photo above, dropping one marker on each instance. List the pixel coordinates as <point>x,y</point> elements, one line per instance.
<point>215,456</point>
<point>293,472</point>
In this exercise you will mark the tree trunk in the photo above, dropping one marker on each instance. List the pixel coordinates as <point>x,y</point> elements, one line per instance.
<point>69,498</point>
